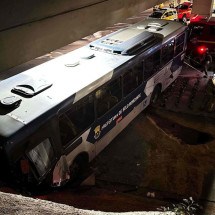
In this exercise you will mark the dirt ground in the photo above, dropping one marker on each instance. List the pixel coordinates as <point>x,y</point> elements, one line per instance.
<point>155,157</point>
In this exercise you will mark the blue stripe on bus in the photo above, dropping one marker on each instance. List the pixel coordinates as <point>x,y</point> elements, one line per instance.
<point>110,120</point>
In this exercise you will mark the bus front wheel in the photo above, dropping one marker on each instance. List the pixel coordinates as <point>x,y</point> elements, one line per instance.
<point>78,168</point>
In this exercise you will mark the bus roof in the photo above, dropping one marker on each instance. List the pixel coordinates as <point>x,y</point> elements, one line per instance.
<point>65,76</point>
<point>161,28</point>
<point>32,93</point>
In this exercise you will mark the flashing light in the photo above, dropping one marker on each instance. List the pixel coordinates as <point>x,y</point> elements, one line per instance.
<point>202,49</point>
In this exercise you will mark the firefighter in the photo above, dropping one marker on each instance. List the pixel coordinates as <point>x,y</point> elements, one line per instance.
<point>206,63</point>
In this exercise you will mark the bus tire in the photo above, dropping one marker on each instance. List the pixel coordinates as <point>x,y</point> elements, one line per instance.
<point>78,168</point>
<point>155,94</point>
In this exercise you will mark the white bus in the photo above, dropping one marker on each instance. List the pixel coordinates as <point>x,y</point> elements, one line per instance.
<point>57,117</point>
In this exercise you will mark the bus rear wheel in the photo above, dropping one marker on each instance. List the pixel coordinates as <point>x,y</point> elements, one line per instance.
<point>155,94</point>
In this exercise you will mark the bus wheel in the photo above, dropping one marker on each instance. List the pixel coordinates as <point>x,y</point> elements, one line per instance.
<point>78,168</point>
<point>155,94</point>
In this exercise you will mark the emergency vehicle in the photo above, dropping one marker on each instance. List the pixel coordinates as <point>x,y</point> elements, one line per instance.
<point>201,39</point>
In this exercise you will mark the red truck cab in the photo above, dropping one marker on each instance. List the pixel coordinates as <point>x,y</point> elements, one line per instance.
<point>202,32</point>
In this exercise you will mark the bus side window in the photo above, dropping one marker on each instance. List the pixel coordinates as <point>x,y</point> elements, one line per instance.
<point>108,96</point>
<point>179,43</point>
<point>167,52</point>
<point>68,130</point>
<point>128,82</point>
<point>138,70</point>
<point>132,79</point>
<point>115,89</point>
<point>42,156</point>
<point>76,120</point>
<point>151,65</point>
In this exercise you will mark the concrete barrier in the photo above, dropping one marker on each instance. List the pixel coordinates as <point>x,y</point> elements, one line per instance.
<point>32,28</point>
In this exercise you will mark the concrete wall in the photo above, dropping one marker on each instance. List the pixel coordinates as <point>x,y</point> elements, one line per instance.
<point>31,28</point>
<point>202,7</point>
<point>20,12</point>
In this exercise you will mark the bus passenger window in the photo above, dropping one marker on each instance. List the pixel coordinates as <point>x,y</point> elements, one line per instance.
<point>108,96</point>
<point>132,79</point>
<point>151,65</point>
<point>68,130</point>
<point>115,89</point>
<point>179,44</point>
<point>167,52</point>
<point>42,156</point>
<point>138,70</point>
<point>76,120</point>
<point>128,82</point>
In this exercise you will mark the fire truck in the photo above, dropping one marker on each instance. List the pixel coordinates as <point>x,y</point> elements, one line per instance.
<point>201,40</point>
